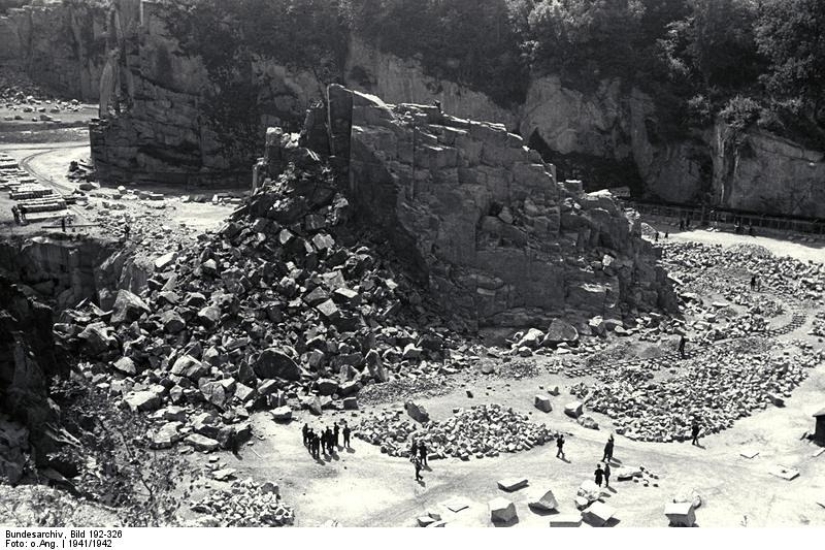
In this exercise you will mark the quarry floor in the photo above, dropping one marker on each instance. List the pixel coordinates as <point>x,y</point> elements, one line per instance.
<point>362,487</point>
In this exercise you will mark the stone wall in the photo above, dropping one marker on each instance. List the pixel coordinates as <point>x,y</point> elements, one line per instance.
<point>484,222</point>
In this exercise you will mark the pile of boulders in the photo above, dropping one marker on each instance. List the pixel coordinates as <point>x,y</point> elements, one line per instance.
<point>243,504</point>
<point>718,389</point>
<point>274,310</point>
<point>715,269</point>
<point>818,328</point>
<point>481,431</point>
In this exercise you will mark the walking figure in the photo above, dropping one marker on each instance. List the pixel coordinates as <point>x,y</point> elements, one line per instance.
<point>560,445</point>
<point>329,440</point>
<point>417,463</point>
<point>607,474</point>
<point>422,453</point>
<point>346,436</point>
<point>599,473</point>
<point>608,449</point>
<point>682,342</point>
<point>335,433</point>
<point>666,235</point>
<point>305,433</point>
<point>126,231</point>
<point>694,432</point>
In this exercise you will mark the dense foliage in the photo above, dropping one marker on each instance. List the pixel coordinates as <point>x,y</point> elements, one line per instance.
<point>753,61</point>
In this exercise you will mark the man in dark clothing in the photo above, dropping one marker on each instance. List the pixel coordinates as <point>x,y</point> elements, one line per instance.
<point>417,464</point>
<point>346,436</point>
<point>682,342</point>
<point>329,440</point>
<point>657,237</point>
<point>753,282</point>
<point>608,450</point>
<point>681,225</point>
<point>607,474</point>
<point>310,439</point>
<point>666,235</point>
<point>422,453</point>
<point>316,446</point>
<point>63,224</point>
<point>414,449</point>
<point>560,445</point>
<point>599,473</point>
<point>305,433</point>
<point>694,432</point>
<point>336,431</point>
<point>126,231</point>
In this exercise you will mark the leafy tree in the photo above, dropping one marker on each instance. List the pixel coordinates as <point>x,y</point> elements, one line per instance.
<point>791,34</point>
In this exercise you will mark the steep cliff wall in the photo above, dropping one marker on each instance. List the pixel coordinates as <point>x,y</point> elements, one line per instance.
<point>497,239</point>
<point>60,45</point>
<point>759,172</point>
<point>170,114</point>
<point>167,115</point>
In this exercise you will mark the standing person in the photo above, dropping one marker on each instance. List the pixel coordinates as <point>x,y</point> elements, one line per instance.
<point>682,342</point>
<point>414,448</point>
<point>126,231</point>
<point>305,433</point>
<point>422,453</point>
<point>657,237</point>
<point>310,437</point>
<point>607,474</point>
<point>753,283</point>
<point>417,463</point>
<point>336,431</point>
<point>16,213</point>
<point>63,224</point>
<point>560,445</point>
<point>329,440</point>
<point>608,449</point>
<point>666,235</point>
<point>599,474</point>
<point>694,432</point>
<point>681,224</point>
<point>347,432</point>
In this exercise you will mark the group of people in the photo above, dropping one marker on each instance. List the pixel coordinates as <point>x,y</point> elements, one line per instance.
<point>418,456</point>
<point>326,440</point>
<point>756,283</point>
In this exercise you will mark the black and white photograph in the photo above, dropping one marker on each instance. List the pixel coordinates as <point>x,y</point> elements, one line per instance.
<point>315,264</point>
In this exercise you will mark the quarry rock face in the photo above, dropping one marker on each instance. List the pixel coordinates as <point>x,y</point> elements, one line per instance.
<point>484,222</point>
<point>759,172</point>
<point>60,45</point>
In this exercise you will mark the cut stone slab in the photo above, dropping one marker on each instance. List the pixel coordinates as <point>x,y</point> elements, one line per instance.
<point>688,495</point>
<point>817,452</point>
<point>546,501</point>
<point>502,510</point>
<point>680,514</point>
<point>543,403</point>
<point>512,484</point>
<point>424,521</point>
<point>627,473</point>
<point>574,409</point>
<point>788,474</point>
<point>282,414</point>
<point>202,443</point>
<point>590,491</point>
<point>566,520</point>
<point>598,514</point>
<point>457,504</point>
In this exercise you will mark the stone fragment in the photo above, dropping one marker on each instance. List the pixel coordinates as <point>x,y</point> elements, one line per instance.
<point>282,414</point>
<point>502,510</point>
<point>543,500</point>
<point>598,514</point>
<point>202,443</point>
<point>512,484</point>
<point>543,403</point>
<point>566,520</point>
<point>127,308</point>
<point>573,409</point>
<point>680,514</point>
<point>125,365</point>
<point>273,363</point>
<point>417,412</point>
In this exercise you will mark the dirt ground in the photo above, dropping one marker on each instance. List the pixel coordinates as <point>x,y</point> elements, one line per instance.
<point>49,162</point>
<point>362,487</point>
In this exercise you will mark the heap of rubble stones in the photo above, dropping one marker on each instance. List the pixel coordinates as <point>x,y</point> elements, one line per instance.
<point>276,309</point>
<point>243,503</point>
<point>481,431</point>
<point>717,390</point>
